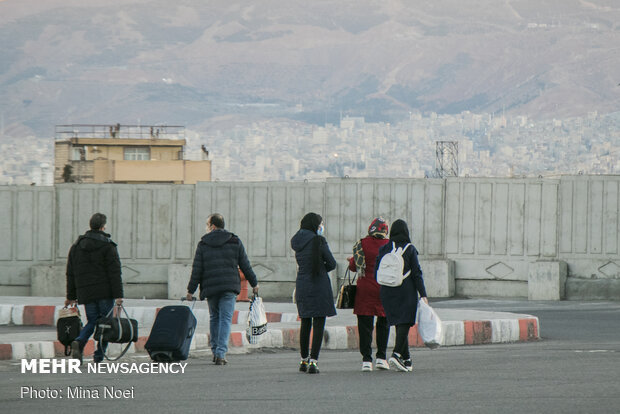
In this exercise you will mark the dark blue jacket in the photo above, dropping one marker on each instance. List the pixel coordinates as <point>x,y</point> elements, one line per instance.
<point>401,302</point>
<point>219,256</point>
<point>313,293</point>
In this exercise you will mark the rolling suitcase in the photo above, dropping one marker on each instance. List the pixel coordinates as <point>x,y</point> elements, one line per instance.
<point>171,334</point>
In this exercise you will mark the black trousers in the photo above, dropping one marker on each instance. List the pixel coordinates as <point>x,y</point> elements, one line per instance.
<point>318,327</point>
<point>382,330</point>
<point>401,344</point>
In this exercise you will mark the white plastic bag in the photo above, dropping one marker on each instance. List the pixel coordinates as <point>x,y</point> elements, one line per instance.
<point>429,325</point>
<point>257,320</point>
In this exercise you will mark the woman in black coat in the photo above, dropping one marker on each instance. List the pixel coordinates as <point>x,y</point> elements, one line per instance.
<point>313,290</point>
<point>401,302</point>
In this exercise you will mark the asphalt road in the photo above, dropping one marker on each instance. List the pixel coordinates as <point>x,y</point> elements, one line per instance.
<point>574,369</point>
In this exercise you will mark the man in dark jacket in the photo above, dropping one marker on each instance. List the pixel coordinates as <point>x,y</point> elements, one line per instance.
<point>219,256</point>
<point>94,280</point>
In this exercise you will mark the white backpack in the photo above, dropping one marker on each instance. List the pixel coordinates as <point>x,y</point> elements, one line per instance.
<point>390,271</point>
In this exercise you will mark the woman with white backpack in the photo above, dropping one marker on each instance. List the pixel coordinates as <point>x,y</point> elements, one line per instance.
<point>399,274</point>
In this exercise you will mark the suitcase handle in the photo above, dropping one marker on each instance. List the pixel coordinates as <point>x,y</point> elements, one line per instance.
<point>183,299</point>
<point>191,332</point>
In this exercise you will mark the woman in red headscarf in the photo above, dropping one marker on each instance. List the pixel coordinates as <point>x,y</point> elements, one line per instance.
<point>367,300</point>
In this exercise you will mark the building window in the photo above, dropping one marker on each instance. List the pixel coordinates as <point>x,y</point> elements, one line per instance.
<point>78,154</point>
<point>137,153</point>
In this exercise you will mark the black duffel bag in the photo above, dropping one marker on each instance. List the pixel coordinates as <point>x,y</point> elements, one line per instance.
<point>114,329</point>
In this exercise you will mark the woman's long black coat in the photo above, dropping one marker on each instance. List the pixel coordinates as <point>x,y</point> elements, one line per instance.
<point>313,293</point>
<point>401,302</point>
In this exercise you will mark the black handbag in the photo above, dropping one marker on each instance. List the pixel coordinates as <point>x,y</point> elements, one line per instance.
<point>346,293</point>
<point>114,329</point>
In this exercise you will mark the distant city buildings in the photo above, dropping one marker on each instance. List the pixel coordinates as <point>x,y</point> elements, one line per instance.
<point>275,150</point>
<point>495,146</point>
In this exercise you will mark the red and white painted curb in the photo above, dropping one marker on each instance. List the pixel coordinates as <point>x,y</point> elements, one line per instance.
<point>336,337</point>
<point>47,315</point>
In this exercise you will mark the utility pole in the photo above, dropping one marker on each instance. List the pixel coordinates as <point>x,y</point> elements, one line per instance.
<point>446,159</point>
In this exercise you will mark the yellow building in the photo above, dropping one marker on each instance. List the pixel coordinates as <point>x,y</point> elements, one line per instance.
<point>125,154</point>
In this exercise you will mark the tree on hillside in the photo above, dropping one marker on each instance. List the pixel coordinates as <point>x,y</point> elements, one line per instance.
<point>66,173</point>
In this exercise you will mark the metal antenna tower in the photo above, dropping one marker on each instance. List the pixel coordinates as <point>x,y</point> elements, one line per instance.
<point>447,159</point>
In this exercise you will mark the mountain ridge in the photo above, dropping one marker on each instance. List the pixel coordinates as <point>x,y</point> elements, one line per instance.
<point>186,62</point>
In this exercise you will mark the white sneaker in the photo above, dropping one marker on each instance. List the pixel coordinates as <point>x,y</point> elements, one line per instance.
<point>381,364</point>
<point>366,366</point>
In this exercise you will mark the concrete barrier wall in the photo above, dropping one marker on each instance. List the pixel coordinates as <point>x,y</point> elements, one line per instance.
<point>476,236</point>
<point>588,235</point>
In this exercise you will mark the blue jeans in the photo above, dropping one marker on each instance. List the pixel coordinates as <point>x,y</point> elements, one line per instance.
<point>221,309</point>
<point>94,311</point>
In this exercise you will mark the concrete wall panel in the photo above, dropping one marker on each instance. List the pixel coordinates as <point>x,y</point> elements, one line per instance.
<point>333,217</point>
<point>434,218</point>
<point>124,220</point>
<point>202,208</point>
<point>416,216</point>
<point>499,240</point>
<point>566,216</point>
<point>25,225</point>
<point>350,215</point>
<point>611,224</point>
<point>468,218</point>
<point>259,222</point>
<point>64,220</point>
<point>580,216</point>
<point>184,218</point>
<point>549,219</point>
<point>44,238</point>
<point>367,210</point>
<point>595,233</point>
<point>85,209</point>
<point>400,197</point>
<point>533,219</point>
<point>453,195</point>
<point>484,216</point>
<point>296,208</point>
<point>144,230</point>
<point>239,220</point>
<point>383,200</point>
<point>105,205</point>
<point>314,199</point>
<point>517,219</point>
<point>163,227</point>
<point>6,224</point>
<point>281,222</point>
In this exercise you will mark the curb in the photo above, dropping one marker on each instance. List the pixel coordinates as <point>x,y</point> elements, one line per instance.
<point>41,315</point>
<point>455,333</point>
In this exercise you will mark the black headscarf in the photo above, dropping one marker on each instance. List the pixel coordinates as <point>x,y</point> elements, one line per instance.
<point>312,221</point>
<point>399,232</point>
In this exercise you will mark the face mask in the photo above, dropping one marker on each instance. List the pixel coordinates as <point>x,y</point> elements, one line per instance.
<point>321,230</point>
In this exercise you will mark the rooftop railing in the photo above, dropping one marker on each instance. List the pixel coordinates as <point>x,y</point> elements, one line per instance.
<point>118,131</point>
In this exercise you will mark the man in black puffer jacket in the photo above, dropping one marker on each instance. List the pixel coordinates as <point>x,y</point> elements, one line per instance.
<point>219,256</point>
<point>94,280</point>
